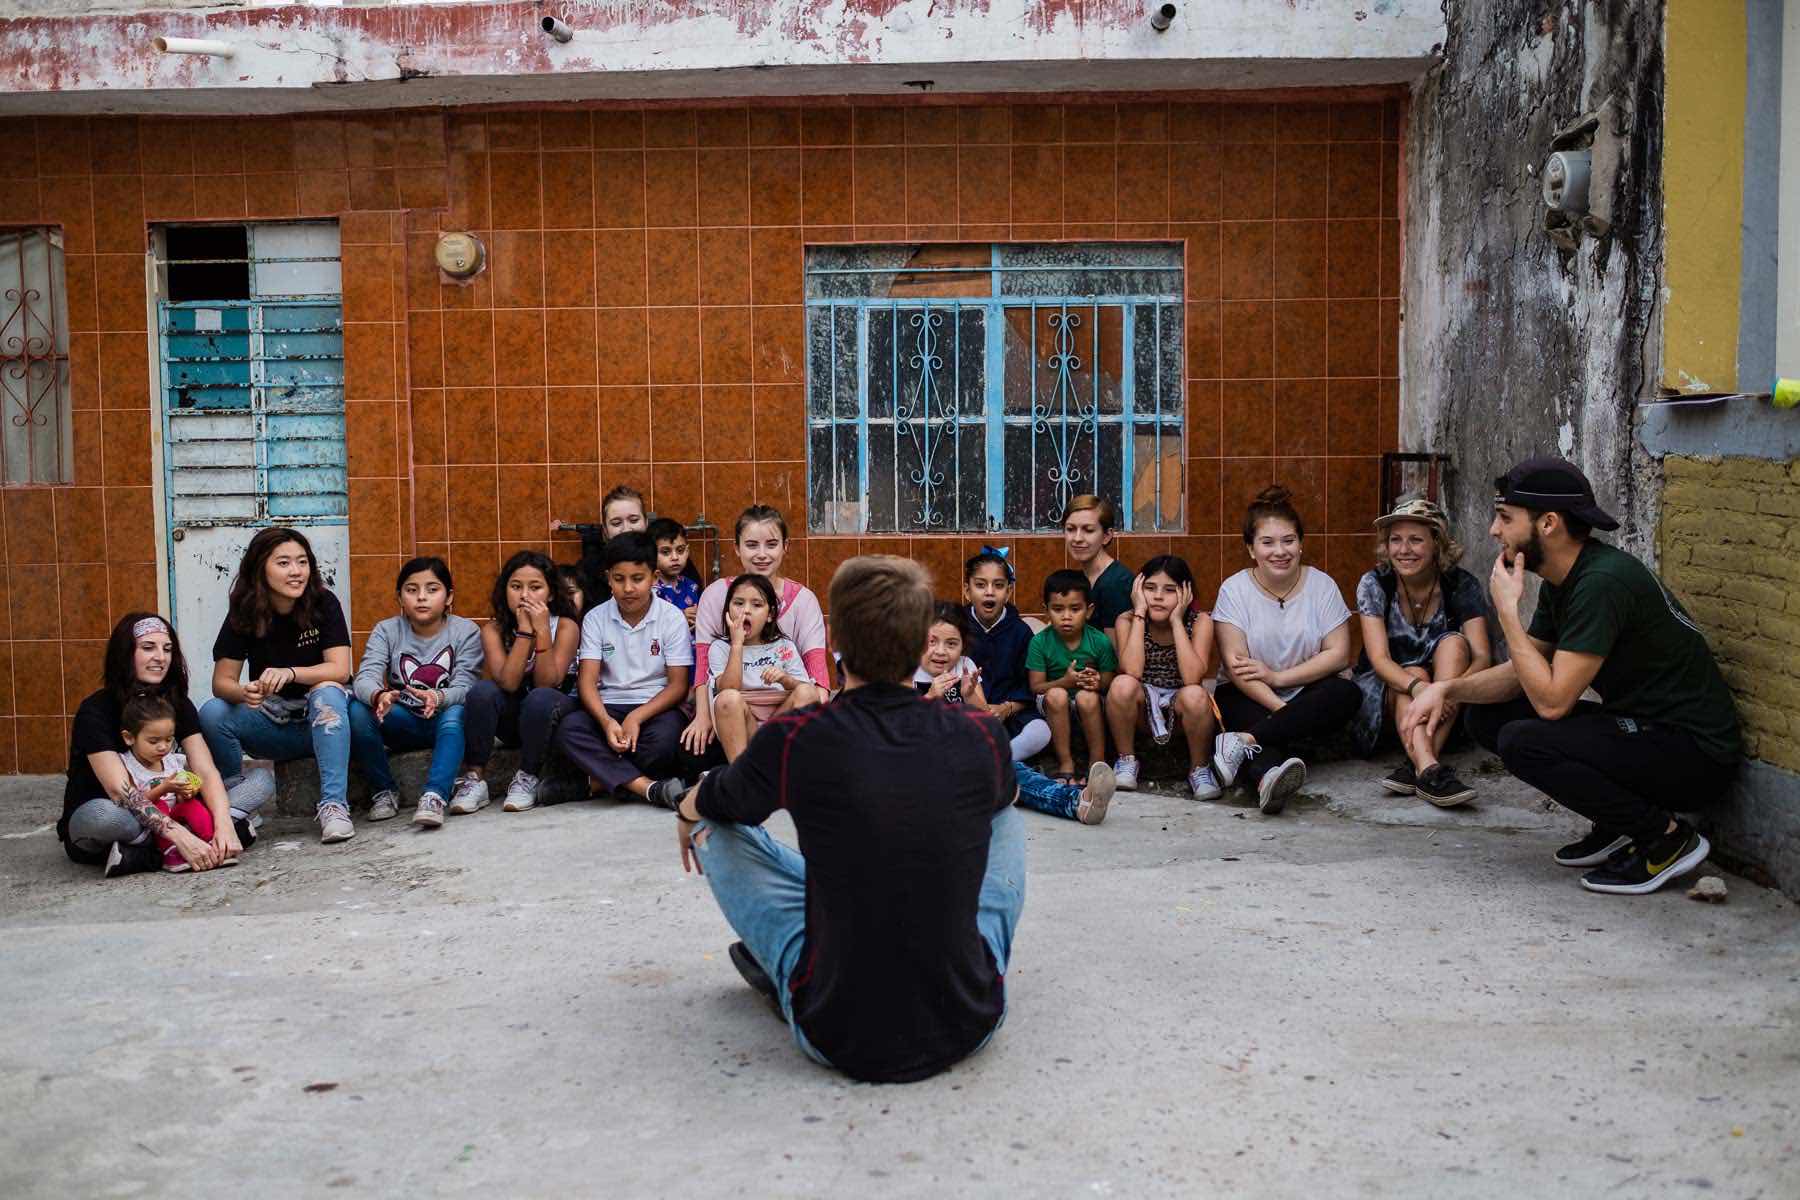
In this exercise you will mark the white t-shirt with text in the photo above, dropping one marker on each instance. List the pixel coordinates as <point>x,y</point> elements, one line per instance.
<point>1281,635</point>
<point>782,652</point>
<point>635,659</point>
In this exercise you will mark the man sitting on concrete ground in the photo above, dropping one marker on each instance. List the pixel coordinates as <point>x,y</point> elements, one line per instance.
<point>884,942</point>
<point>1665,733</point>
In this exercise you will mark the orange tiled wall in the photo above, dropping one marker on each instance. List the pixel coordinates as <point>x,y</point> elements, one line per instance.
<point>639,321</point>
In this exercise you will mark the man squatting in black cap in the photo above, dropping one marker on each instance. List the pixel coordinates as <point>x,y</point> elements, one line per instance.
<point>1664,736</point>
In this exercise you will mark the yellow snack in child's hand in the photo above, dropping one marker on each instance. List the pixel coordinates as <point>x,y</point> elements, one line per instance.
<point>187,781</point>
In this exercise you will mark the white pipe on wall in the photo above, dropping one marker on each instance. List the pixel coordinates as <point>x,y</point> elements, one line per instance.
<point>177,45</point>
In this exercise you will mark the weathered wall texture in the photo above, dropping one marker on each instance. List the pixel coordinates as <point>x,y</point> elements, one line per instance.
<point>1509,347</point>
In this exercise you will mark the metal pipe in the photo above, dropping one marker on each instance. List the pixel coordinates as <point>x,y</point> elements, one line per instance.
<point>1159,20</point>
<point>179,45</point>
<point>557,29</point>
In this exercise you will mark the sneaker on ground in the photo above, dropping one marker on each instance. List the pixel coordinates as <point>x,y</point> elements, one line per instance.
<point>1402,780</point>
<point>470,795</point>
<point>1650,866</point>
<point>1231,751</point>
<point>430,813</point>
<point>246,830</point>
<point>384,805</point>
<point>1278,784</point>
<point>334,824</point>
<point>1439,785</point>
<point>1204,784</point>
<point>754,975</point>
<point>1102,781</point>
<point>129,858</point>
<point>1125,772</point>
<point>667,793</point>
<point>521,793</point>
<point>1592,850</point>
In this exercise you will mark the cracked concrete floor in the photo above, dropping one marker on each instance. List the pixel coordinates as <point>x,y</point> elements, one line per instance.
<point>1358,998</point>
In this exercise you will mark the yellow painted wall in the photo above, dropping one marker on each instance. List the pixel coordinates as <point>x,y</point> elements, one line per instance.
<point>1703,193</point>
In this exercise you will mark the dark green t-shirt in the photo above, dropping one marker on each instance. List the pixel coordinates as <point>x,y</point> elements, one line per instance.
<point>1112,595</point>
<point>1658,666</point>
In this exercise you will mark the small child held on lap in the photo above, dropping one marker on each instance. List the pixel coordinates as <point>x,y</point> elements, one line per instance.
<point>1162,661</point>
<point>415,674</point>
<point>997,641</point>
<point>1071,664</point>
<point>943,671</point>
<point>160,772</point>
<point>677,579</point>
<point>759,671</point>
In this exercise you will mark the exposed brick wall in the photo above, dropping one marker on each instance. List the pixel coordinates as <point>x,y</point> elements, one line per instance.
<point>1730,548</point>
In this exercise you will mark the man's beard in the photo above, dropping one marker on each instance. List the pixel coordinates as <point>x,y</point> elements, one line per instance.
<point>1533,551</point>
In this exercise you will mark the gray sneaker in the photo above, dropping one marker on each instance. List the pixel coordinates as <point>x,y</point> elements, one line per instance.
<point>430,813</point>
<point>1101,782</point>
<point>1125,773</point>
<point>469,796</point>
<point>667,793</point>
<point>1231,751</point>
<point>1203,785</point>
<point>1278,784</point>
<point>384,805</point>
<point>334,824</point>
<point>521,793</point>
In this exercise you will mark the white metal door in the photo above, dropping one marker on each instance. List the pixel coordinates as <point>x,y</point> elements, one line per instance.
<point>252,411</point>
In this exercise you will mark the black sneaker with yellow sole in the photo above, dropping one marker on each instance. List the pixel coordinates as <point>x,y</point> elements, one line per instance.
<point>1651,865</point>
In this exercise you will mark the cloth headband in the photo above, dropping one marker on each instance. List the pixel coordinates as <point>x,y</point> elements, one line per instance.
<point>148,625</point>
<point>1004,554</point>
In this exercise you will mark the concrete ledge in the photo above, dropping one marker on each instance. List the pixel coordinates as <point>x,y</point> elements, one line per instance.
<point>1756,830</point>
<point>297,782</point>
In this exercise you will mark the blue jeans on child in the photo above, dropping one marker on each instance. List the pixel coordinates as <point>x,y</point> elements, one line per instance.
<point>232,730</point>
<point>760,886</point>
<point>404,729</point>
<point>1045,794</point>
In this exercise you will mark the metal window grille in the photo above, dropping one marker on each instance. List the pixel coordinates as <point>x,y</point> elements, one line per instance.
<point>37,445</point>
<point>979,388</point>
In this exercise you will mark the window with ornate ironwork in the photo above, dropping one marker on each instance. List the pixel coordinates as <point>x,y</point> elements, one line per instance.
<point>36,445</point>
<point>959,388</point>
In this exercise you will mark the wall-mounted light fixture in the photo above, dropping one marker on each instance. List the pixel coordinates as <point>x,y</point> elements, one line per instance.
<point>556,29</point>
<point>203,46</point>
<point>1160,18</point>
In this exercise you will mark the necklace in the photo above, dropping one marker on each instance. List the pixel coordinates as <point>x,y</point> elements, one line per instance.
<point>1418,607</point>
<point>1280,600</point>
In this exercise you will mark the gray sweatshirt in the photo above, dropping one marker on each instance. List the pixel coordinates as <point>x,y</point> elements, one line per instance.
<point>397,656</point>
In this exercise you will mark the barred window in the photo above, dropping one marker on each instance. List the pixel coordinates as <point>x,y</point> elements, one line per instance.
<point>975,388</point>
<point>36,444</point>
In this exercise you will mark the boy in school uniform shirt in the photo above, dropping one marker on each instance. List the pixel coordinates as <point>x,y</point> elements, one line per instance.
<point>636,659</point>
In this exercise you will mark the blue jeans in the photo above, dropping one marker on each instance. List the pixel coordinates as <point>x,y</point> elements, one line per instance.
<point>1045,794</point>
<point>760,886</point>
<point>404,729</point>
<point>232,730</point>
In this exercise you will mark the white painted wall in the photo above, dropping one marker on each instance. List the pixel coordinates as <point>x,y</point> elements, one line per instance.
<point>311,57</point>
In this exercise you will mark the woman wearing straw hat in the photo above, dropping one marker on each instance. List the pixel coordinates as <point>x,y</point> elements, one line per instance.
<point>1423,618</point>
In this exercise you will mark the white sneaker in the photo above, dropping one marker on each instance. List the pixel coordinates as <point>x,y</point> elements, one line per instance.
<point>1101,781</point>
<point>384,805</point>
<point>469,796</point>
<point>1202,783</point>
<point>1230,751</point>
<point>334,824</point>
<point>430,813</point>
<point>1278,784</point>
<point>1125,772</point>
<point>521,793</point>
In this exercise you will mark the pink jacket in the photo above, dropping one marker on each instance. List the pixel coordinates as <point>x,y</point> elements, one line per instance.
<point>800,618</point>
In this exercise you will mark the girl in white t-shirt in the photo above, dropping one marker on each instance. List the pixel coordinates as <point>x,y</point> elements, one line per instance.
<point>1284,656</point>
<point>943,670</point>
<point>759,671</point>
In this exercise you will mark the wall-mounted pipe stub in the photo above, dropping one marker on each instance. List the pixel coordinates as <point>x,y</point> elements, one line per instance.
<point>206,46</point>
<point>557,29</point>
<point>1161,18</point>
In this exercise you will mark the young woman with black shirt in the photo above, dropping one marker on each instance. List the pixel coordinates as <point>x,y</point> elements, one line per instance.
<point>104,819</point>
<point>294,702</point>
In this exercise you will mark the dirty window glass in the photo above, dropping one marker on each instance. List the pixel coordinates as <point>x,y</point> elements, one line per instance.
<point>976,388</point>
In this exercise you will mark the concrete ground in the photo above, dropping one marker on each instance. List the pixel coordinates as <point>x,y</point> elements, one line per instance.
<point>1360,997</point>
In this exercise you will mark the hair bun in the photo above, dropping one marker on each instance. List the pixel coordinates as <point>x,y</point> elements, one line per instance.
<point>1275,494</point>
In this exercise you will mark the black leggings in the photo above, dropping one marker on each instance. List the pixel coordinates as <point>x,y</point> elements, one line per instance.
<point>1318,709</point>
<point>1623,774</point>
<point>524,718</point>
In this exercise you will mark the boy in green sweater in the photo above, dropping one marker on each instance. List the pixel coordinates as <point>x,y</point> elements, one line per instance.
<point>1071,664</point>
